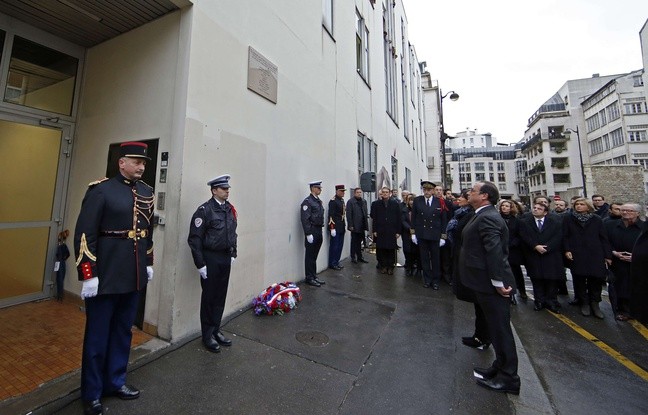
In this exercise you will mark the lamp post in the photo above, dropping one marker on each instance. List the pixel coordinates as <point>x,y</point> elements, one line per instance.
<point>567,133</point>
<point>453,97</point>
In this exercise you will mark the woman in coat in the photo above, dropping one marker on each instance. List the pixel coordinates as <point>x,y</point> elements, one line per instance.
<point>411,251</point>
<point>386,217</point>
<point>509,211</point>
<point>588,253</point>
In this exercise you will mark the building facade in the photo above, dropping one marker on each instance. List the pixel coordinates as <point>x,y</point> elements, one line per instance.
<point>275,94</point>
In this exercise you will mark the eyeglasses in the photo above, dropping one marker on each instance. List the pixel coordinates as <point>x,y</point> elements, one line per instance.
<point>629,210</point>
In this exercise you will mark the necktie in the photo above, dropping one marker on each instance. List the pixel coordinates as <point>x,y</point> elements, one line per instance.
<point>429,201</point>
<point>539,224</point>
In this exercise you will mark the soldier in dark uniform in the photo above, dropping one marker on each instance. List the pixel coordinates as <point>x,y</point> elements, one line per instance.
<point>429,221</point>
<point>337,226</point>
<point>212,239</point>
<point>312,220</point>
<point>113,243</point>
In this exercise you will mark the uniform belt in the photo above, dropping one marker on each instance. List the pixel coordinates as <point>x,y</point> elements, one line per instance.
<point>128,234</point>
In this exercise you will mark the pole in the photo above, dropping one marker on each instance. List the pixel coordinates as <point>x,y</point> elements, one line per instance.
<point>582,166</point>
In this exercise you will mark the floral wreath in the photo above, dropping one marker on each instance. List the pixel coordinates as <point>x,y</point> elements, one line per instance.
<point>277,299</point>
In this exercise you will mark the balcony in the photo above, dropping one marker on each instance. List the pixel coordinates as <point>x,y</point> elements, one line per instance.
<point>539,168</point>
<point>560,163</point>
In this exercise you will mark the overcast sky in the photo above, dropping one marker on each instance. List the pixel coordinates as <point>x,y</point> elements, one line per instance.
<point>505,58</point>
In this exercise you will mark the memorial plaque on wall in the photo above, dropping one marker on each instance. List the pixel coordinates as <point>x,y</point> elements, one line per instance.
<point>262,75</point>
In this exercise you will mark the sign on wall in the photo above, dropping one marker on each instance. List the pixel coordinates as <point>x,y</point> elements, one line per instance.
<point>262,75</point>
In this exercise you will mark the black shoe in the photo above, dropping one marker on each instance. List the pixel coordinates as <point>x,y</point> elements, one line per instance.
<point>475,343</point>
<point>313,282</point>
<point>435,287</point>
<point>524,297</point>
<point>127,393</point>
<point>426,285</point>
<point>212,345</point>
<point>501,384</point>
<point>538,305</point>
<point>222,340</point>
<point>390,271</point>
<point>484,373</point>
<point>364,261</point>
<point>93,407</point>
<point>336,267</point>
<point>575,301</point>
<point>554,308</point>
<point>513,300</point>
<point>320,282</point>
<point>354,261</point>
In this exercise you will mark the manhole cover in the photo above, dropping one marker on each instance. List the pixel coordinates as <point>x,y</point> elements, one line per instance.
<point>312,338</point>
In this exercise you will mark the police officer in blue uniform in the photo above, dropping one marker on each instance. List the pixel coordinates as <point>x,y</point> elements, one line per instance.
<point>429,221</point>
<point>337,226</point>
<point>312,220</point>
<point>212,240</point>
<point>113,243</point>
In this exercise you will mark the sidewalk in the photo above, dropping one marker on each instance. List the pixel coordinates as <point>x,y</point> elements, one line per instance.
<point>362,343</point>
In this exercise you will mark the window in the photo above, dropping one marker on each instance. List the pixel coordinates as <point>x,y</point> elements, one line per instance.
<point>367,160</point>
<point>500,166</point>
<point>466,166</point>
<point>634,107</point>
<point>502,186</point>
<point>617,138</point>
<point>362,47</point>
<point>389,52</point>
<point>613,111</point>
<point>490,166</point>
<point>479,166</point>
<point>561,178</point>
<point>480,177</point>
<point>327,15</point>
<point>35,71</point>
<point>596,146</point>
<point>635,136</point>
<point>602,117</point>
<point>620,160</point>
<point>491,177</point>
<point>606,141</point>
<point>405,99</point>
<point>593,123</point>
<point>408,179</point>
<point>501,177</point>
<point>642,162</point>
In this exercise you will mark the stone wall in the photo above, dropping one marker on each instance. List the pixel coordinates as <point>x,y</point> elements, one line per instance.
<point>618,183</point>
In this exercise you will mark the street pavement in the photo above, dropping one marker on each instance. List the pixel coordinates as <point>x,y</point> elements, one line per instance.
<point>367,343</point>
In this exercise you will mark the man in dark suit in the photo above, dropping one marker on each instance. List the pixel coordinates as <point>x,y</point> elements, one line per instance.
<point>386,221</point>
<point>336,225</point>
<point>484,268</point>
<point>356,215</point>
<point>429,221</point>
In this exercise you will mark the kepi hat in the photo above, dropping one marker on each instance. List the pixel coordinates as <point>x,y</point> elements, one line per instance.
<point>134,149</point>
<point>339,187</point>
<point>426,184</point>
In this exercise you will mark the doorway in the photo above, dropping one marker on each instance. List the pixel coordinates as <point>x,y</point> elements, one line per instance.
<point>32,175</point>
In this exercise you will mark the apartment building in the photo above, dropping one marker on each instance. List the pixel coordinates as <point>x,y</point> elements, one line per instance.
<point>276,94</point>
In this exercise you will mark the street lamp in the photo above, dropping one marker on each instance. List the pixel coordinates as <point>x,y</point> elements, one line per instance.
<point>567,133</point>
<point>453,97</point>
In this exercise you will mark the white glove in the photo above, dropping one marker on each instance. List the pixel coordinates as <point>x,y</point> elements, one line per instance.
<point>233,259</point>
<point>149,271</point>
<point>333,233</point>
<point>441,242</point>
<point>414,239</point>
<point>310,239</point>
<point>90,288</point>
<point>203,272</point>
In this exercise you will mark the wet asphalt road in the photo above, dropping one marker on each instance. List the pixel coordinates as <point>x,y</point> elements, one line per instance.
<point>367,343</point>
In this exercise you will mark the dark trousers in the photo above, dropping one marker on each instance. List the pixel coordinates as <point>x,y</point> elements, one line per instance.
<point>587,289</point>
<point>445,255</point>
<point>545,291</point>
<point>214,291</point>
<point>481,325</point>
<point>386,258</point>
<point>497,312</point>
<point>107,342</point>
<point>335,249</point>
<point>356,245</point>
<point>430,260</point>
<point>412,259</point>
<point>519,278</point>
<point>310,258</point>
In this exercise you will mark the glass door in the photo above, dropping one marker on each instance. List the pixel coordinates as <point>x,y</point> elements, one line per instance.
<point>31,188</point>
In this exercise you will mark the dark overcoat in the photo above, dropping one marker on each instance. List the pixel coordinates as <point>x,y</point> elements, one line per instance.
<point>386,223</point>
<point>548,266</point>
<point>429,222</point>
<point>357,215</point>
<point>461,291</point>
<point>589,245</point>
<point>622,239</point>
<point>515,242</point>
<point>639,283</point>
<point>406,220</point>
